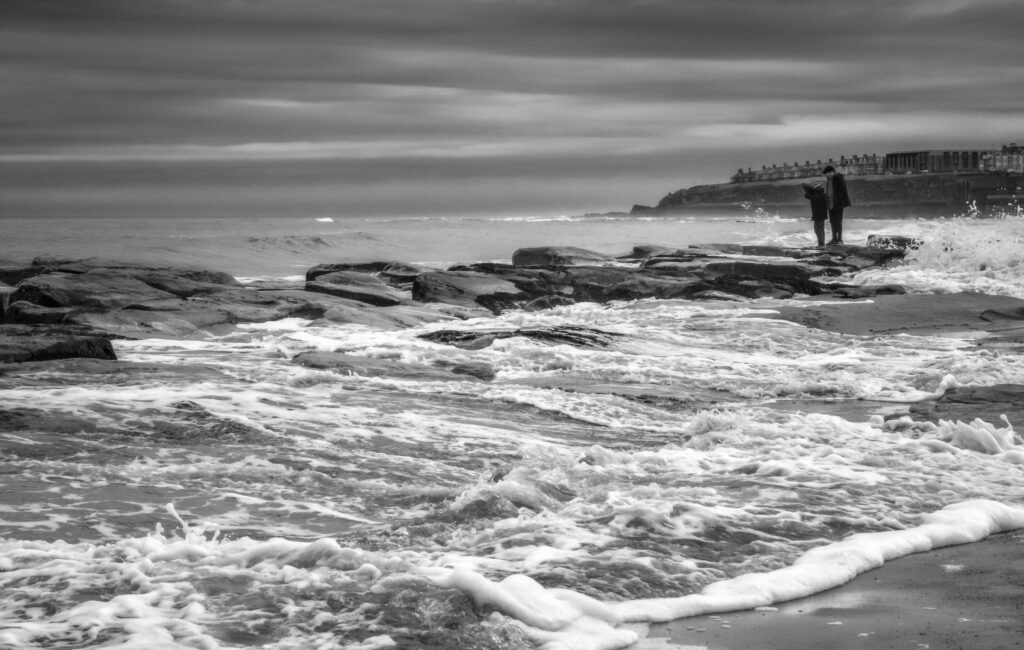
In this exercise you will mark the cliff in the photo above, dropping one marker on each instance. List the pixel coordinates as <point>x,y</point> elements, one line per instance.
<point>939,193</point>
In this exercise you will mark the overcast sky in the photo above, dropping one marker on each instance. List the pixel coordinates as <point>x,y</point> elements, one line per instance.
<point>361,107</point>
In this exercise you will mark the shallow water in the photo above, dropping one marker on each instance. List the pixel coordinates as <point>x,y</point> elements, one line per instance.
<point>216,494</point>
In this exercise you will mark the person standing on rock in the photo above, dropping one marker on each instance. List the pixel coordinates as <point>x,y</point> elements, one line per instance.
<point>815,193</point>
<point>838,199</point>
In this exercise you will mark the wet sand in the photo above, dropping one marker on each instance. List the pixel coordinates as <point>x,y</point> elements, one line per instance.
<point>968,597</point>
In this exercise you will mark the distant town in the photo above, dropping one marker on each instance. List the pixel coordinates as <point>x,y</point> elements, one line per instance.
<point>1009,159</point>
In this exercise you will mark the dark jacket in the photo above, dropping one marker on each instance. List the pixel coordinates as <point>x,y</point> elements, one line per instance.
<point>841,197</point>
<point>819,204</point>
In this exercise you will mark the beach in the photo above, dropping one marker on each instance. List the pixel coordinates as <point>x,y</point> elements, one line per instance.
<point>969,597</point>
<point>601,472</point>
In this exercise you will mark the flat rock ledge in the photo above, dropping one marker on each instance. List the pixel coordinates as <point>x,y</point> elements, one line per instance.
<point>56,308</point>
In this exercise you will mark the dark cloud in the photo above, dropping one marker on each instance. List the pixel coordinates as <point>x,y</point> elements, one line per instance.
<point>321,103</point>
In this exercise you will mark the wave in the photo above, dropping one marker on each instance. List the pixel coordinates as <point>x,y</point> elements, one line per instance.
<point>960,254</point>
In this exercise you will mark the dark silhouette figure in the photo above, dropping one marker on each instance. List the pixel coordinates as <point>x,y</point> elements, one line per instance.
<point>819,208</point>
<point>838,199</point>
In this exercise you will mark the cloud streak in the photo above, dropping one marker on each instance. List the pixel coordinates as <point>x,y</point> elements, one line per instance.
<point>598,104</point>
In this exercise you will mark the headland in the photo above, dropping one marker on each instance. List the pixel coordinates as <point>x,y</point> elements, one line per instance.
<point>885,195</point>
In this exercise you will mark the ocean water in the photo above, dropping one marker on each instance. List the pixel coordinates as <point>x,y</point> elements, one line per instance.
<point>214,494</point>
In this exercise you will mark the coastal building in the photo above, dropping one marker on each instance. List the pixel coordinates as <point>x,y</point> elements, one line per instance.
<point>863,165</point>
<point>934,161</point>
<point>1008,160</point>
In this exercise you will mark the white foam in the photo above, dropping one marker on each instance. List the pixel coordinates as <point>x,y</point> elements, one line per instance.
<point>563,619</point>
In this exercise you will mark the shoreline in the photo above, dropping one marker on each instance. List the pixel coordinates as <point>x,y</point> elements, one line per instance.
<point>967,596</point>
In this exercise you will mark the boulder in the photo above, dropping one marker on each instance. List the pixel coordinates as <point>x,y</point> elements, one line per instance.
<point>138,270</point>
<point>775,251</point>
<point>11,274</point>
<point>862,257</point>
<point>762,289</point>
<point>724,248</point>
<point>557,256</point>
<point>5,298</point>
<point>674,266</point>
<point>479,369</point>
<point>99,289</point>
<point>644,251</point>
<point>360,267</point>
<point>317,306</point>
<point>20,344</point>
<point>606,283</point>
<point>26,313</point>
<point>866,291</point>
<point>713,294</point>
<point>965,403</point>
<point>469,288</point>
<point>361,366</point>
<point>400,274</point>
<point>530,281</point>
<point>548,302</point>
<point>580,337</point>
<point>356,286</point>
<point>790,272</point>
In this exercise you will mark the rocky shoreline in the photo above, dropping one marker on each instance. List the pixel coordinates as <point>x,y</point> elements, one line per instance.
<point>61,309</point>
<point>56,308</point>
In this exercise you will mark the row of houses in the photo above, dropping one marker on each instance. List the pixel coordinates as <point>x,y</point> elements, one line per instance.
<point>1009,159</point>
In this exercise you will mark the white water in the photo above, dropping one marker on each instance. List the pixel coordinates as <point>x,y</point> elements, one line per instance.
<point>583,489</point>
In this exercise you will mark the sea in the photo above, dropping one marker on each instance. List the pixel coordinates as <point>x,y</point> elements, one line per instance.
<point>690,458</point>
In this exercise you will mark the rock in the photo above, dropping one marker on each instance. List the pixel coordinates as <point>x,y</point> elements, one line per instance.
<point>469,288</point>
<point>12,274</point>
<point>762,270</point>
<point>532,282</point>
<point>92,284</point>
<point>644,251</point>
<point>360,267</point>
<point>137,270</point>
<point>556,256</point>
<point>26,313</point>
<point>581,337</point>
<point>19,420</point>
<point>776,251</point>
<point>724,248</point>
<point>100,289</point>
<point>862,257</point>
<point>356,286</point>
<point>5,298</point>
<point>762,289</point>
<point>479,369</point>
<point>314,306</point>
<point>184,284</point>
<point>867,291</point>
<point>402,274</point>
<point>351,364</point>
<point>605,283</point>
<point>717,295</point>
<point>965,403</point>
<point>19,344</point>
<point>548,302</point>
<point>674,266</point>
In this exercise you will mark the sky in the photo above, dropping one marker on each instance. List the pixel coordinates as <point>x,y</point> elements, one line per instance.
<point>528,107</point>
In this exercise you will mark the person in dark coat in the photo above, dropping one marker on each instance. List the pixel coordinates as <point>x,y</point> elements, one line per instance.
<point>838,200</point>
<point>819,208</point>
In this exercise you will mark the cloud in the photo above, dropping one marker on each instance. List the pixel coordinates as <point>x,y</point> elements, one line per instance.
<point>614,97</point>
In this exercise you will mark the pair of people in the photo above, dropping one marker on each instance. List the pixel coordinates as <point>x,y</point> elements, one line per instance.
<point>828,201</point>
